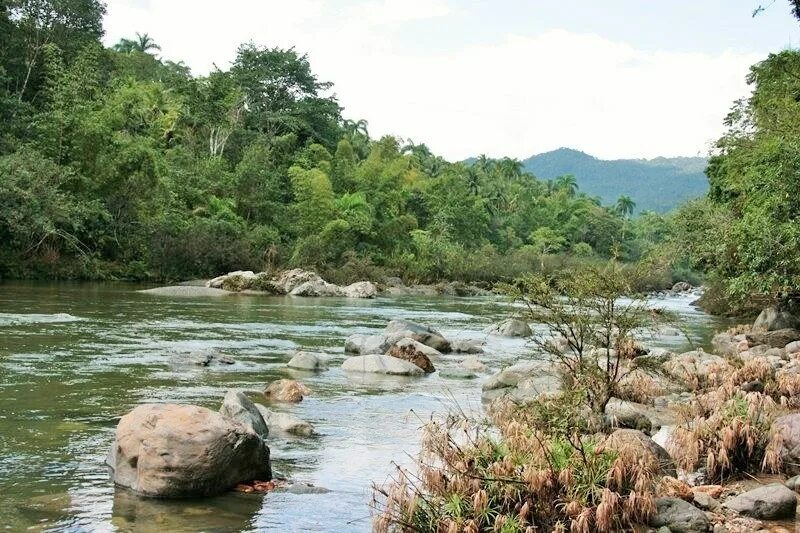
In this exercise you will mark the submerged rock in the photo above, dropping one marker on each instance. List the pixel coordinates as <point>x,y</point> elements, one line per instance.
<point>473,364</point>
<point>770,502</point>
<point>285,423</point>
<point>510,327</point>
<point>463,346</point>
<point>179,451</point>
<point>202,358</point>
<point>457,373</point>
<point>237,406</point>
<point>381,364</point>
<point>286,390</point>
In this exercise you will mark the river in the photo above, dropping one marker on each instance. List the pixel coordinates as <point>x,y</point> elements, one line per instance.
<point>75,357</point>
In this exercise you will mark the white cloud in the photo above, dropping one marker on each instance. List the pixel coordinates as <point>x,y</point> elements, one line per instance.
<point>518,96</point>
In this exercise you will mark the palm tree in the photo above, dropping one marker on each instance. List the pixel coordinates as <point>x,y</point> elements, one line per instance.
<point>510,168</point>
<point>625,206</point>
<point>473,180</point>
<point>568,184</point>
<point>484,164</point>
<point>142,43</point>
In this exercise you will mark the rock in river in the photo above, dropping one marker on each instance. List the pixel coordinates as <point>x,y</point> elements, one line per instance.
<point>428,336</point>
<point>182,291</point>
<point>381,364</point>
<point>413,352</point>
<point>237,406</point>
<point>180,451</point>
<point>306,361</point>
<point>286,390</point>
<point>286,423</point>
<point>510,327</point>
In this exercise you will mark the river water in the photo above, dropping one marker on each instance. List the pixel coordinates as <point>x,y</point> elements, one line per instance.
<point>75,357</point>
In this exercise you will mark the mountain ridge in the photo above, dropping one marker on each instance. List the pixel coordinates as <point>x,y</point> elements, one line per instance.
<point>659,184</point>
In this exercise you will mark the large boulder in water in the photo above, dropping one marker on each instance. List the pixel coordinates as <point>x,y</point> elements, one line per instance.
<point>428,336</point>
<point>241,277</point>
<point>773,319</point>
<point>306,361</point>
<point>381,364</point>
<point>237,406</point>
<point>367,344</point>
<point>510,327</point>
<point>288,280</point>
<point>181,451</point>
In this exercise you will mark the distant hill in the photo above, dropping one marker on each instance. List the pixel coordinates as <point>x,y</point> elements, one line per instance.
<point>659,184</point>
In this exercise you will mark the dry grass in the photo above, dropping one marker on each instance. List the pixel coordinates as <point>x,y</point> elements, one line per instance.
<point>513,477</point>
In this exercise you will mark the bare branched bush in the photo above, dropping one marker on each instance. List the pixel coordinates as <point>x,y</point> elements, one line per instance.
<point>592,324</point>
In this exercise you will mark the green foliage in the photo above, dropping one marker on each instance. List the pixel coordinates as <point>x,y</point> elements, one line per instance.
<point>155,173</point>
<point>746,232</point>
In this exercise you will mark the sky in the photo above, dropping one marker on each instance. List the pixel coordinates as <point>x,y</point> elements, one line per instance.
<point>616,79</point>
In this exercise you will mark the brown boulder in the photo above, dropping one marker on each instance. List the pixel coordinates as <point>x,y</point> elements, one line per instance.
<point>411,353</point>
<point>181,451</point>
<point>286,390</point>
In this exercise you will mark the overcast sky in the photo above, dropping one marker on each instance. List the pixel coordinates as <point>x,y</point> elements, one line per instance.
<point>617,78</point>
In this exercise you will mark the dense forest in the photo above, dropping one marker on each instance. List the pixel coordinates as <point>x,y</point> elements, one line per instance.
<point>115,164</point>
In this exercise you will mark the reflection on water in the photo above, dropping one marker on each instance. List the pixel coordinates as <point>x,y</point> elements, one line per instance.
<point>75,357</point>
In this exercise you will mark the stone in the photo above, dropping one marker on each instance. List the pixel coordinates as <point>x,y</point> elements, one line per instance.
<point>788,426</point>
<point>367,344</point>
<point>286,390</point>
<point>473,364</point>
<point>522,382</point>
<point>681,286</point>
<point>204,358</point>
<point>381,364</point>
<point>725,345</point>
<point>305,488</point>
<point>630,415</point>
<point>420,333</point>
<point>510,327</point>
<point>689,366</point>
<point>183,291</point>
<point>776,338</point>
<point>219,281</point>
<point>180,451</point>
<point>704,501</point>
<point>406,343</point>
<point>634,446</point>
<point>463,346</point>
<point>316,289</point>
<point>770,502</point>
<point>306,361</point>
<point>285,423</point>
<point>793,347</point>
<point>412,353</point>
<point>360,289</point>
<point>237,406</point>
<point>457,373</point>
<point>772,319</point>
<point>793,483</point>
<point>679,516</point>
<point>288,280</point>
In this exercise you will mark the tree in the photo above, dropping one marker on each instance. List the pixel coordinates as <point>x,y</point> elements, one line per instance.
<point>141,43</point>
<point>625,206</point>
<point>568,184</point>
<point>545,241</point>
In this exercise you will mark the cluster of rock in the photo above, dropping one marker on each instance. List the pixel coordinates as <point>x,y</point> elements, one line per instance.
<point>295,282</point>
<point>182,451</point>
<point>404,348</point>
